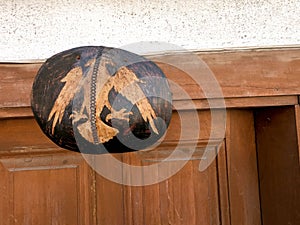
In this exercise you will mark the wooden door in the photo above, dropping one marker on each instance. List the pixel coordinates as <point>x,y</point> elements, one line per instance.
<point>43,184</point>
<point>40,183</point>
<point>48,189</point>
<point>277,131</point>
<point>248,183</point>
<point>188,197</point>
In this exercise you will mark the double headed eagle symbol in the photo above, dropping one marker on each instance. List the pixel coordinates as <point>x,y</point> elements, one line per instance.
<point>124,82</point>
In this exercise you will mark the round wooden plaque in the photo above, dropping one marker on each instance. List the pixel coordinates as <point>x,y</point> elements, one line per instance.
<point>97,99</point>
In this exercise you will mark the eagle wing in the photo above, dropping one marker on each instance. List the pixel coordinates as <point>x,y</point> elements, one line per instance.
<point>126,83</point>
<point>65,96</point>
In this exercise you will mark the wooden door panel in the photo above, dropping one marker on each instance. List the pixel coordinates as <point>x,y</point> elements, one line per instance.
<point>47,195</point>
<point>189,197</point>
<point>5,200</point>
<point>23,135</point>
<point>278,161</point>
<point>43,184</point>
<point>224,200</point>
<point>109,195</point>
<point>241,160</point>
<point>45,190</point>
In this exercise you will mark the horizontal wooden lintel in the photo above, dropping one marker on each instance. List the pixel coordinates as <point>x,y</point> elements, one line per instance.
<point>241,102</point>
<point>244,78</point>
<point>200,104</point>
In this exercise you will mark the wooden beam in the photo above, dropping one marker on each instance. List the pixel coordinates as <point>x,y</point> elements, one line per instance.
<point>201,104</point>
<point>240,74</point>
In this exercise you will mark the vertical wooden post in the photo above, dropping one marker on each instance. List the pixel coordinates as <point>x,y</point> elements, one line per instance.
<point>242,169</point>
<point>278,161</point>
<point>297,115</point>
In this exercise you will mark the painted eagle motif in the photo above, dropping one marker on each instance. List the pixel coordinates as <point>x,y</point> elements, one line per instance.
<point>124,82</point>
<point>73,81</point>
<point>67,93</point>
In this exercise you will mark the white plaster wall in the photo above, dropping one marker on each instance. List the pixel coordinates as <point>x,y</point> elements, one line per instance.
<point>36,29</point>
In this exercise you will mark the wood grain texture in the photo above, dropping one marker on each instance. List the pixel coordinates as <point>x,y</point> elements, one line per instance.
<point>242,169</point>
<point>133,195</point>
<point>109,195</point>
<point>297,117</point>
<point>22,136</point>
<point>180,105</point>
<point>249,73</point>
<point>6,201</point>
<point>183,121</point>
<point>270,72</point>
<point>16,83</point>
<point>39,178</point>
<point>278,163</point>
<point>188,197</point>
<point>49,189</point>
<point>224,200</point>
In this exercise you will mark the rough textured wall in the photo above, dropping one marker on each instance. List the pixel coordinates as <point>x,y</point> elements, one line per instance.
<point>36,29</point>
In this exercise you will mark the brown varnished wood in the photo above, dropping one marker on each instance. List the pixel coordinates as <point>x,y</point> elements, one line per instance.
<point>204,125</point>
<point>15,112</point>
<point>58,186</point>
<point>190,196</point>
<point>16,83</point>
<point>23,135</point>
<point>6,200</point>
<point>49,189</point>
<point>224,200</point>
<point>202,104</point>
<point>241,157</point>
<point>109,195</point>
<point>133,196</point>
<point>252,73</point>
<point>152,212</point>
<point>237,102</point>
<point>297,118</point>
<point>278,163</point>
<point>269,72</point>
